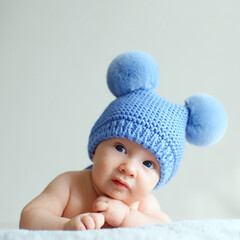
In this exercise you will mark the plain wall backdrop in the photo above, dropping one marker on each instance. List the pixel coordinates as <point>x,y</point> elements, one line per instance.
<point>54,56</point>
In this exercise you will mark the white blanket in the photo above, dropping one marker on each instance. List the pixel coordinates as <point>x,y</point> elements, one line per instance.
<point>187,230</point>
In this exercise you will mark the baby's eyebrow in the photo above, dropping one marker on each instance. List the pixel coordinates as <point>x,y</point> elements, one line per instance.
<point>150,158</point>
<point>119,143</point>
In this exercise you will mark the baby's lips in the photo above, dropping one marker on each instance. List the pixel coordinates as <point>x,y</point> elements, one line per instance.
<point>120,182</point>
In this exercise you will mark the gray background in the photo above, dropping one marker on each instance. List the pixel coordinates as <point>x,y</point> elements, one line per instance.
<point>53,61</point>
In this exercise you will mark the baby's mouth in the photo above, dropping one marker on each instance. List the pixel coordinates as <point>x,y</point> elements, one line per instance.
<point>120,183</point>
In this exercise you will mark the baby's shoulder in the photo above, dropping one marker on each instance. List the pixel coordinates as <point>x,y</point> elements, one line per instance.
<point>149,203</point>
<point>81,192</point>
<point>151,207</point>
<point>74,176</point>
<point>72,182</point>
<point>70,179</point>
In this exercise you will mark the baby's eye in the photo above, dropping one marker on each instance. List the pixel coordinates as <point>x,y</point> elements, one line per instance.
<point>120,148</point>
<point>148,164</point>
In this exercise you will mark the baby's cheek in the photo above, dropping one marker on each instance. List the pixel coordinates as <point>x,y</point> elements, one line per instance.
<point>155,179</point>
<point>146,186</point>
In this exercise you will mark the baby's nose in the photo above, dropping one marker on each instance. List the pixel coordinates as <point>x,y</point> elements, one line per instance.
<point>129,169</point>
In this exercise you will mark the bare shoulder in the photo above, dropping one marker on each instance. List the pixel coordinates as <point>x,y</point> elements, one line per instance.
<point>150,206</point>
<point>69,182</point>
<point>70,176</point>
<point>63,181</point>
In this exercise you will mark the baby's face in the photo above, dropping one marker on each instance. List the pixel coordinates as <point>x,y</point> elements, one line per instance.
<point>124,170</point>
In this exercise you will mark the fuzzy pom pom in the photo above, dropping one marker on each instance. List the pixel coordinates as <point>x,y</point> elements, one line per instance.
<point>131,71</point>
<point>207,120</point>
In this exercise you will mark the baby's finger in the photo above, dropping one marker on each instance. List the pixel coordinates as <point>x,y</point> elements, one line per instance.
<point>103,199</point>
<point>99,206</point>
<point>99,220</point>
<point>75,224</point>
<point>80,226</point>
<point>88,222</point>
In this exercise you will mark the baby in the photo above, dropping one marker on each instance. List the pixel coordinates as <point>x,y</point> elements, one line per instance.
<point>136,146</point>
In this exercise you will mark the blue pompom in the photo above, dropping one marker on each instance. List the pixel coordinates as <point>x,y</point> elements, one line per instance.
<point>132,71</point>
<point>207,120</point>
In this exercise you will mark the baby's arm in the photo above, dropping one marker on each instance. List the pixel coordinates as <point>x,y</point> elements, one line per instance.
<point>148,212</point>
<point>118,214</point>
<point>45,211</point>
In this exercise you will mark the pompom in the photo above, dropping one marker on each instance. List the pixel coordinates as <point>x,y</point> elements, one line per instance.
<point>207,121</point>
<point>131,71</point>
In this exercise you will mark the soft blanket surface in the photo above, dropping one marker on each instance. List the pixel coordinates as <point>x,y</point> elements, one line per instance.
<point>187,230</point>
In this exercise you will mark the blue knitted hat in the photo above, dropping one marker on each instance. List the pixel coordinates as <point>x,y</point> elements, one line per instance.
<point>143,116</point>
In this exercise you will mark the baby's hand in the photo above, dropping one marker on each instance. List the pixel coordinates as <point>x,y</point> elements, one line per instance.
<point>113,210</point>
<point>86,221</point>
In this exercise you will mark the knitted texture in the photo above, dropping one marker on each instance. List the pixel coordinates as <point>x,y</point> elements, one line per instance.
<point>149,120</point>
<point>141,115</point>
